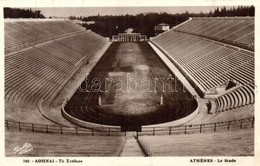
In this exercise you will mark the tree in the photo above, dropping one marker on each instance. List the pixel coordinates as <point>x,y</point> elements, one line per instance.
<point>22,13</point>
<point>234,11</point>
<point>216,12</point>
<point>223,12</point>
<point>252,11</point>
<point>210,14</point>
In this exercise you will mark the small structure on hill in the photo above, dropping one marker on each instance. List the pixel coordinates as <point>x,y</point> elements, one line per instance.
<point>160,28</point>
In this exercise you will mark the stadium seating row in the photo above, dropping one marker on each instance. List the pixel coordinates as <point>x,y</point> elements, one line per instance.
<point>22,32</point>
<point>232,143</point>
<point>64,145</point>
<point>239,97</point>
<point>232,114</point>
<point>39,72</point>
<point>209,63</point>
<point>236,30</point>
<point>237,113</point>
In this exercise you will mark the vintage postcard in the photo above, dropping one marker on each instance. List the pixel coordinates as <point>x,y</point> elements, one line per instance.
<point>129,83</point>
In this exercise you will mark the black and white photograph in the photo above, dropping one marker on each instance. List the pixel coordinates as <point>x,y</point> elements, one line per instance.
<point>131,81</point>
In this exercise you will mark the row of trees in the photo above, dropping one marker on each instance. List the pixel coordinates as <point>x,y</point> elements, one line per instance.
<point>144,23</point>
<point>22,13</point>
<point>234,11</point>
<point>141,23</point>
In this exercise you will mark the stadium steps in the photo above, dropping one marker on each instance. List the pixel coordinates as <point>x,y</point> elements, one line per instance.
<point>65,145</point>
<point>233,28</point>
<point>214,61</point>
<point>239,97</point>
<point>131,147</point>
<point>232,114</point>
<point>25,32</point>
<point>240,33</point>
<point>228,29</point>
<point>247,38</point>
<point>231,143</point>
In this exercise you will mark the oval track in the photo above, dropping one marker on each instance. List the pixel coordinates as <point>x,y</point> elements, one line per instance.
<point>115,75</point>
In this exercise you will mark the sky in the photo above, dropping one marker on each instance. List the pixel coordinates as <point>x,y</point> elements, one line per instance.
<point>67,8</point>
<point>88,11</point>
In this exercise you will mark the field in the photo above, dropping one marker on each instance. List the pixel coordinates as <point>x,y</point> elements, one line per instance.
<point>130,86</point>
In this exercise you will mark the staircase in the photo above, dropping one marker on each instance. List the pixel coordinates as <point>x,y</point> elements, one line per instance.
<point>131,147</point>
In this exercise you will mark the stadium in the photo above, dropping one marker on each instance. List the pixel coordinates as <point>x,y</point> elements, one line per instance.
<point>189,91</point>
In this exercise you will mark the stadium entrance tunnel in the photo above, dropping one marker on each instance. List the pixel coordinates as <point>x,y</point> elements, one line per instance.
<point>125,89</point>
<point>133,127</point>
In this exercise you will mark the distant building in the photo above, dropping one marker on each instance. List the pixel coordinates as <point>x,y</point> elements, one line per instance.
<point>129,37</point>
<point>161,28</point>
<point>129,30</point>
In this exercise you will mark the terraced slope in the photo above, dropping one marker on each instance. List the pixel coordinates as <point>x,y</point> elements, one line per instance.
<point>232,143</point>
<point>54,145</point>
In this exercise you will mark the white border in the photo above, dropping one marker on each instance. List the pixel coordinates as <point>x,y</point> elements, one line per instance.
<point>8,161</point>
